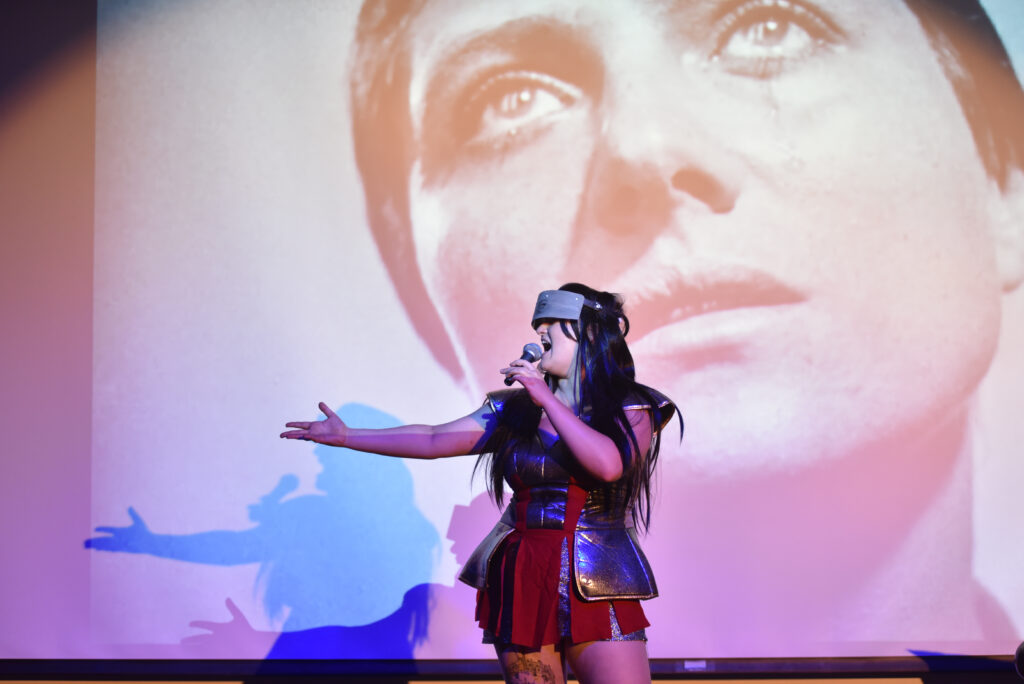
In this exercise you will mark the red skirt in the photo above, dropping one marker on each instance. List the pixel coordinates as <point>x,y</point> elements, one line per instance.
<point>522,603</point>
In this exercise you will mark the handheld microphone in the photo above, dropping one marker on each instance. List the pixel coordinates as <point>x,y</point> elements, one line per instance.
<point>532,353</point>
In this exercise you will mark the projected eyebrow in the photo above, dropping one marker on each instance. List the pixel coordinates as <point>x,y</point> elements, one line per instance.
<point>501,87</point>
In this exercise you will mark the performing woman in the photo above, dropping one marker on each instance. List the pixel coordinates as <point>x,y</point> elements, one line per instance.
<point>561,575</point>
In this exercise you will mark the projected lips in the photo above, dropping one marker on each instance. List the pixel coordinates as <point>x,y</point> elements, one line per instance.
<point>697,295</point>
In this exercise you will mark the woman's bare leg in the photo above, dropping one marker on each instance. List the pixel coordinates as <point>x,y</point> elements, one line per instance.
<point>531,666</point>
<point>610,662</point>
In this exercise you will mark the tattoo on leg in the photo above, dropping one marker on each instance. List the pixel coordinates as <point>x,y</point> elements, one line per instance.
<point>522,669</point>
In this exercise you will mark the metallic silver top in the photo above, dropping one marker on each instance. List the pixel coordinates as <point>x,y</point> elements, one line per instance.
<point>551,491</point>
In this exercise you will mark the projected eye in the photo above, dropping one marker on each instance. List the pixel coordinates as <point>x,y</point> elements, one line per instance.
<point>761,37</point>
<point>512,102</point>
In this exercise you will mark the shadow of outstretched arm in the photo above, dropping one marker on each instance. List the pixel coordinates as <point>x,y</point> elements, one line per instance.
<point>216,547</point>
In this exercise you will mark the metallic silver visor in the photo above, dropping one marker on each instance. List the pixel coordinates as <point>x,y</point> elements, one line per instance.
<point>560,304</point>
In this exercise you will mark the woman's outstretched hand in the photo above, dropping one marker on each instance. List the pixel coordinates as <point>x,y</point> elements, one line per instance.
<point>331,430</point>
<point>527,375</point>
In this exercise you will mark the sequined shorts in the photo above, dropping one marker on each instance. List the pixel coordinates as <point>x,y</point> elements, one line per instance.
<point>563,612</point>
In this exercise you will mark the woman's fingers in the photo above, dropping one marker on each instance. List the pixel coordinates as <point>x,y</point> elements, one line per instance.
<point>527,377</point>
<point>305,428</point>
<point>520,368</point>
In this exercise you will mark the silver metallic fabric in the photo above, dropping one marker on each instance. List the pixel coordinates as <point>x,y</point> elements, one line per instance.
<point>606,556</point>
<point>564,629</point>
<point>617,635</point>
<point>560,304</point>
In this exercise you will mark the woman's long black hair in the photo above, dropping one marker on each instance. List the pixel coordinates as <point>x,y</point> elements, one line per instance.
<point>605,377</point>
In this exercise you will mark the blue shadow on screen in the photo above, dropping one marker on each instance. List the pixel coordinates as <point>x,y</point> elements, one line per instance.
<point>349,566</point>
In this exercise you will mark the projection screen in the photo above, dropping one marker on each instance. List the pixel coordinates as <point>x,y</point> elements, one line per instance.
<point>814,211</point>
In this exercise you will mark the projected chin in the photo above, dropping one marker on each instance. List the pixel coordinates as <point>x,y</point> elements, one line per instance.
<point>802,234</point>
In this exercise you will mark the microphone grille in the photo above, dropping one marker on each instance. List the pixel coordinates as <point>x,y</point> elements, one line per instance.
<point>532,352</point>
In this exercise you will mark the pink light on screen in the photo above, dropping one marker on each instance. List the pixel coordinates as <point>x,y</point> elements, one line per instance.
<point>232,218</point>
<point>46,208</point>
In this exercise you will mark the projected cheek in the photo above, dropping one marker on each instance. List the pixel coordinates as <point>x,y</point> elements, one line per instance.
<point>500,228</point>
<point>507,190</point>
<point>504,161</point>
<point>506,129</point>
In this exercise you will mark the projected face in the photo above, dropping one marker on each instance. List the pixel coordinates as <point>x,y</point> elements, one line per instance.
<point>787,194</point>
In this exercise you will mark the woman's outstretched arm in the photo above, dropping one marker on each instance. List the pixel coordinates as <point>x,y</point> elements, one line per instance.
<point>463,436</point>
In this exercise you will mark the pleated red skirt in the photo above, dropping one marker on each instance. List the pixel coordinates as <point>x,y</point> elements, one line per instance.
<point>522,603</point>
